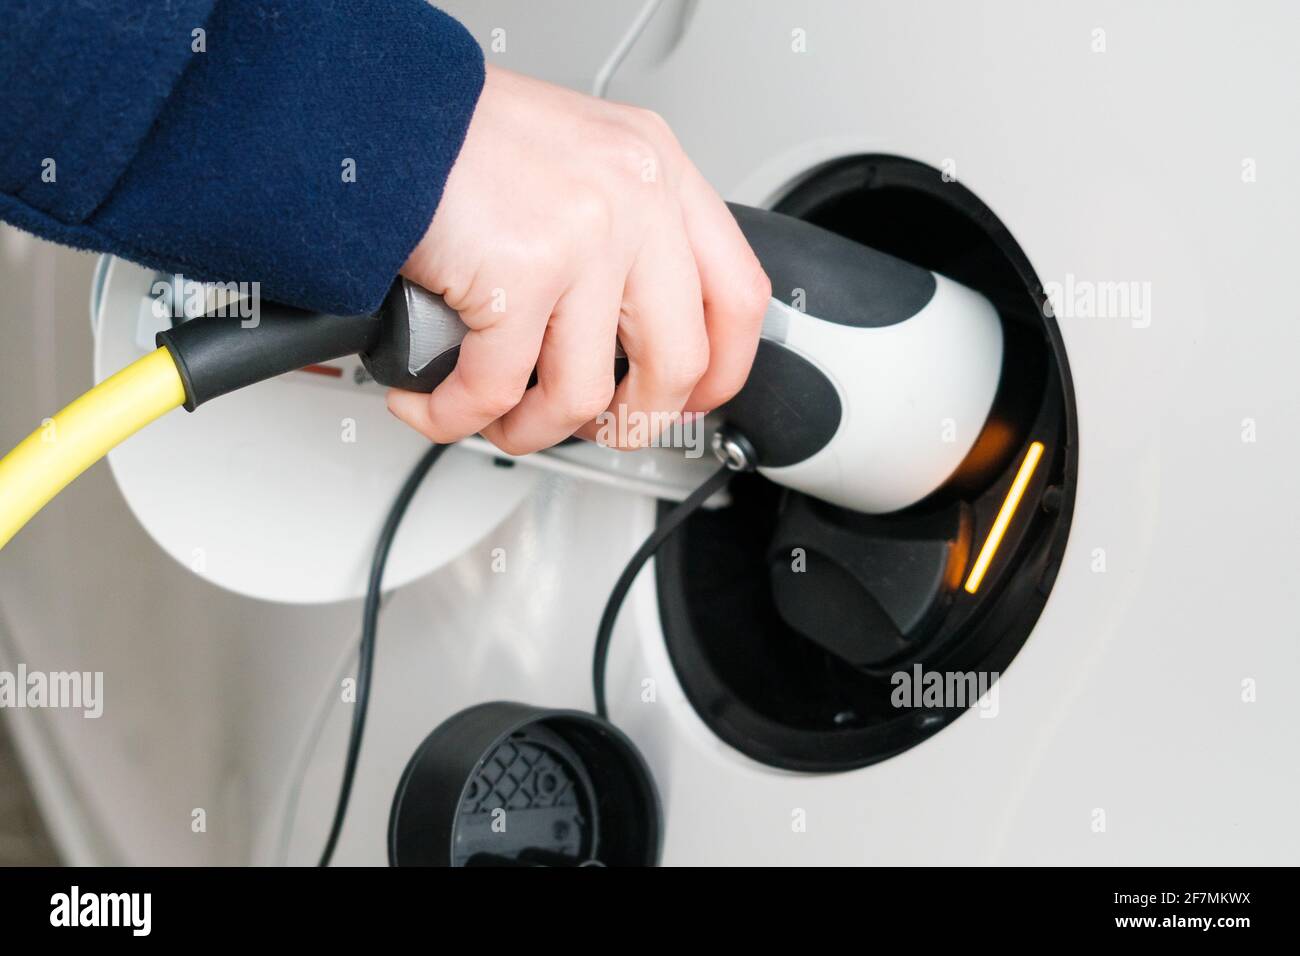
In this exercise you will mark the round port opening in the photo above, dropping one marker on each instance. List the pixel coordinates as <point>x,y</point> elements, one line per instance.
<point>809,637</point>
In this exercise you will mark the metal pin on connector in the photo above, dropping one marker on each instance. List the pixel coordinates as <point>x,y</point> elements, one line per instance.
<point>734,450</point>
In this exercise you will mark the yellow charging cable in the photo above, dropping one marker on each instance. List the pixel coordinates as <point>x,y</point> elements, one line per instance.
<point>64,446</point>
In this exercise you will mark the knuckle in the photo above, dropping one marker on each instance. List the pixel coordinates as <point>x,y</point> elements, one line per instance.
<point>493,401</point>
<point>591,212</point>
<point>480,318</point>
<point>514,394</point>
<point>653,125</point>
<point>633,155</point>
<point>483,306</point>
<point>695,363</point>
<point>495,406</point>
<point>582,404</point>
<point>522,260</point>
<point>510,444</point>
<point>543,255</point>
<point>588,224</point>
<point>755,292</point>
<point>444,436</point>
<point>687,369</point>
<point>437,431</point>
<point>721,392</point>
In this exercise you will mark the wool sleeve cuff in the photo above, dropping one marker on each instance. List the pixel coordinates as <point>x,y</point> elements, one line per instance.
<point>301,144</point>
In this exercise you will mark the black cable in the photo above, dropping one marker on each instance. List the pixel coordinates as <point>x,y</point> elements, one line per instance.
<point>370,613</point>
<point>369,624</point>
<point>652,544</point>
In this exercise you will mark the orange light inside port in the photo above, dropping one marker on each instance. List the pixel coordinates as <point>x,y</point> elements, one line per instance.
<point>1005,514</point>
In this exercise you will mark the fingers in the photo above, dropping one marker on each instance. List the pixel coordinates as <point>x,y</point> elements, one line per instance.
<point>734,287</point>
<point>662,331</point>
<point>575,371</point>
<point>496,359</point>
<point>691,312</point>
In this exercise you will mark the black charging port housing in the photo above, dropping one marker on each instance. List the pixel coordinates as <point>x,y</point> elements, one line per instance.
<point>786,619</point>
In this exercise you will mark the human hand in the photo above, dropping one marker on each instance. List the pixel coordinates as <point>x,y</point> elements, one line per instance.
<point>569,223</point>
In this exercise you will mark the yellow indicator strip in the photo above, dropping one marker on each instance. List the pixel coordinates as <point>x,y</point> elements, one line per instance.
<point>1005,514</point>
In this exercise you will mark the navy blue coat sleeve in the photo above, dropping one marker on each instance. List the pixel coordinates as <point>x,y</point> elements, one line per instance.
<point>302,144</point>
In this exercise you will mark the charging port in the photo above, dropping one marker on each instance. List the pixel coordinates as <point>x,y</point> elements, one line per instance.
<point>790,621</point>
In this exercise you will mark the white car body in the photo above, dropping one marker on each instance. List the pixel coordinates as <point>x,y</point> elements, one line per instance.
<point>1119,143</point>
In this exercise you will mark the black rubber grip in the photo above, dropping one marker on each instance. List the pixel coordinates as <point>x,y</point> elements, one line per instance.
<point>788,409</point>
<point>216,354</point>
<point>387,358</point>
<point>834,278</point>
